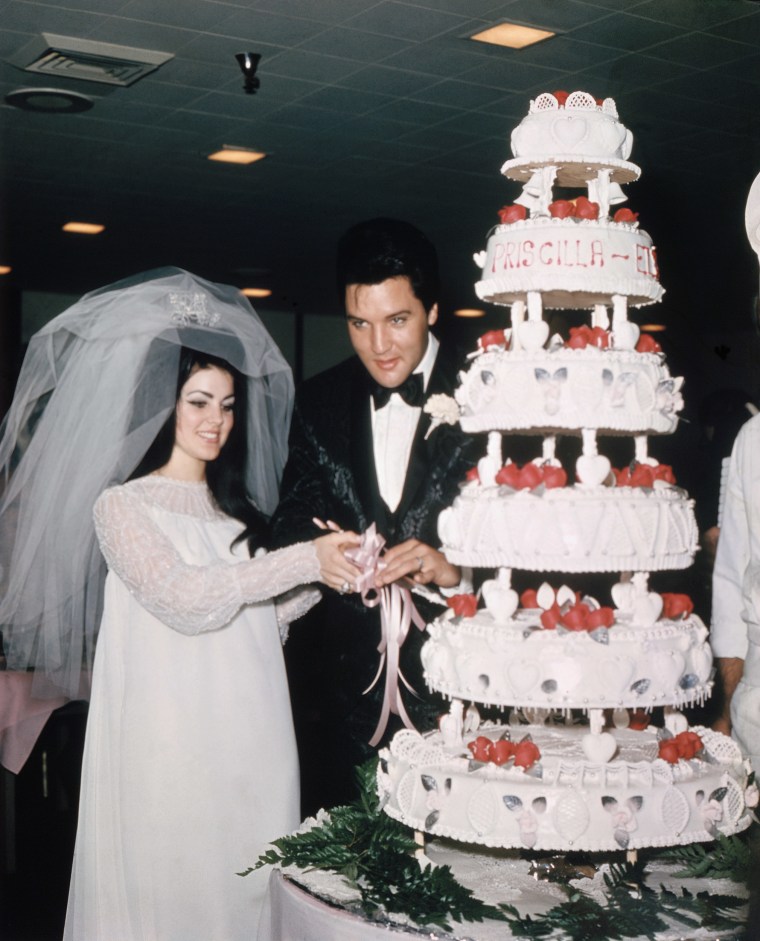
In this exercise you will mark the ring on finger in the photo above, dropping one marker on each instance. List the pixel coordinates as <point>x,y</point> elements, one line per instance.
<point>420,563</point>
<point>345,588</point>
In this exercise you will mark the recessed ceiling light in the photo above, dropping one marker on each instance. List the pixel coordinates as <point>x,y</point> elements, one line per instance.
<point>257,292</point>
<point>5,269</point>
<point>48,100</point>
<point>653,327</point>
<point>469,312</point>
<point>512,35</point>
<point>84,228</point>
<point>236,155</point>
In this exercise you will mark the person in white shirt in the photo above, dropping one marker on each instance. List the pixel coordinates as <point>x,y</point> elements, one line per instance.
<point>362,452</point>
<point>735,630</point>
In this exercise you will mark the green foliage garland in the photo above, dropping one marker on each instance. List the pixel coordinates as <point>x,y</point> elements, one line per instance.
<point>375,855</point>
<point>726,858</point>
<point>632,910</point>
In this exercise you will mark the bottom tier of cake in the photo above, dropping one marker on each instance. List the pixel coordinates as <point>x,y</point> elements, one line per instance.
<point>564,801</point>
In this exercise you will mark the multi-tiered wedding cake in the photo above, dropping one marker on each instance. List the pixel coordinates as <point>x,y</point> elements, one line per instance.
<point>578,765</point>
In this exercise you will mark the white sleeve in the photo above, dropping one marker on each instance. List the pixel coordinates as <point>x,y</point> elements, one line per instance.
<point>736,576</point>
<point>189,598</point>
<point>293,605</point>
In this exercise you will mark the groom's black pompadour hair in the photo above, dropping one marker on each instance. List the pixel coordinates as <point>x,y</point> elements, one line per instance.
<point>373,251</point>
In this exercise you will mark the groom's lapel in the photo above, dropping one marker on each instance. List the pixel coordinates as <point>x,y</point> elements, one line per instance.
<point>423,460</point>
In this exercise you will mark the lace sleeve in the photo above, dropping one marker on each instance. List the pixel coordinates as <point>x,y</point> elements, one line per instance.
<point>293,605</point>
<point>189,598</point>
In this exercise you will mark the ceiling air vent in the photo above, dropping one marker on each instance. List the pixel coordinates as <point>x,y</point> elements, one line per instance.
<point>87,61</point>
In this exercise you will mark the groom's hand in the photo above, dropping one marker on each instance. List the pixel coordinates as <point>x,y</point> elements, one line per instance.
<point>419,562</point>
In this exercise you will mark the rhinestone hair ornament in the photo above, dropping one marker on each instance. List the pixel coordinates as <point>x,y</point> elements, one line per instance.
<point>97,384</point>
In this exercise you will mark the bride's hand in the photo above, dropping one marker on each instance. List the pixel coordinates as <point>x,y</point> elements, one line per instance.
<point>335,570</point>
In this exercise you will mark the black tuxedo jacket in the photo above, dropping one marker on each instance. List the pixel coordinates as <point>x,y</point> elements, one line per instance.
<point>330,474</point>
<point>330,471</point>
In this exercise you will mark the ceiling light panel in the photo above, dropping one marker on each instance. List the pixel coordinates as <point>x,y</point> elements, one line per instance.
<point>512,36</point>
<point>84,228</point>
<point>239,155</point>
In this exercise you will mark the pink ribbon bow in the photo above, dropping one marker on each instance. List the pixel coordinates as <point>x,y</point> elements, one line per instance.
<point>397,613</point>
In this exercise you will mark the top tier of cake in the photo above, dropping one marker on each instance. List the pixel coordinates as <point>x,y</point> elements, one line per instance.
<point>576,133</point>
<point>569,253</point>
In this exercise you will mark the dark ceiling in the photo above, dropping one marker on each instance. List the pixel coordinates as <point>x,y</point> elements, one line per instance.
<point>371,107</point>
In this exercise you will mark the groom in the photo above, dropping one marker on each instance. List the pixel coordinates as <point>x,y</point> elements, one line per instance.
<point>361,452</point>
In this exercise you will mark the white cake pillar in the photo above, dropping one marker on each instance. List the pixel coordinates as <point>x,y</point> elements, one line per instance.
<point>625,335</point>
<point>518,316</point>
<point>490,465</point>
<point>641,450</point>
<point>536,193</point>
<point>600,317</point>
<point>533,333</point>
<point>548,450</point>
<point>599,191</point>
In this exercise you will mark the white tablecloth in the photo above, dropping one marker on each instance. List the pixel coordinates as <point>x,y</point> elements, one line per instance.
<point>294,913</point>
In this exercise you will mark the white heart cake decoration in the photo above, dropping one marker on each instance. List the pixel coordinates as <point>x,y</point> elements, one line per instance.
<point>622,595</point>
<point>501,601</point>
<point>570,131</point>
<point>675,722</point>
<point>532,334</point>
<point>593,469</point>
<point>523,676</point>
<point>488,468</point>
<point>599,748</point>
<point>647,608</point>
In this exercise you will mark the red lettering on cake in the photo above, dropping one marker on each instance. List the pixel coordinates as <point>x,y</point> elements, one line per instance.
<point>562,253</point>
<point>498,254</point>
<point>511,261</point>
<point>545,252</point>
<point>576,254</point>
<point>645,263</point>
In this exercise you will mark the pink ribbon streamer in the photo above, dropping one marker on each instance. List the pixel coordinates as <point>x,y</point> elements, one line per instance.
<point>397,614</point>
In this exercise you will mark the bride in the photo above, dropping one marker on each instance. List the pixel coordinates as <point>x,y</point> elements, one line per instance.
<point>190,768</point>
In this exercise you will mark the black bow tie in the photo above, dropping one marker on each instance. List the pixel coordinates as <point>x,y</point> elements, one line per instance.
<point>411,391</point>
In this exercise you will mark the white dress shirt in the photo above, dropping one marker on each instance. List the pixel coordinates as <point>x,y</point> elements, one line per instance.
<point>393,430</point>
<point>736,576</point>
<point>735,629</point>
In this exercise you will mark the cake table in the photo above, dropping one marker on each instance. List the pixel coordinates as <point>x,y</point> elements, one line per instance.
<point>316,905</point>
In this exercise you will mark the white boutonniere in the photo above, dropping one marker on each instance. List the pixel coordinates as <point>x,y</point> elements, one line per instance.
<point>443,409</point>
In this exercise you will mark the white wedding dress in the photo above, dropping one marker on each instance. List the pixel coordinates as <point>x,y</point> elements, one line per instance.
<point>190,764</point>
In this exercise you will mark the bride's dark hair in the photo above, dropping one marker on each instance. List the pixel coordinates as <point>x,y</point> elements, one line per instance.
<point>226,475</point>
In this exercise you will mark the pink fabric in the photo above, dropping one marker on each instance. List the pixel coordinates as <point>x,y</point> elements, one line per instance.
<point>22,718</point>
<point>397,614</point>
